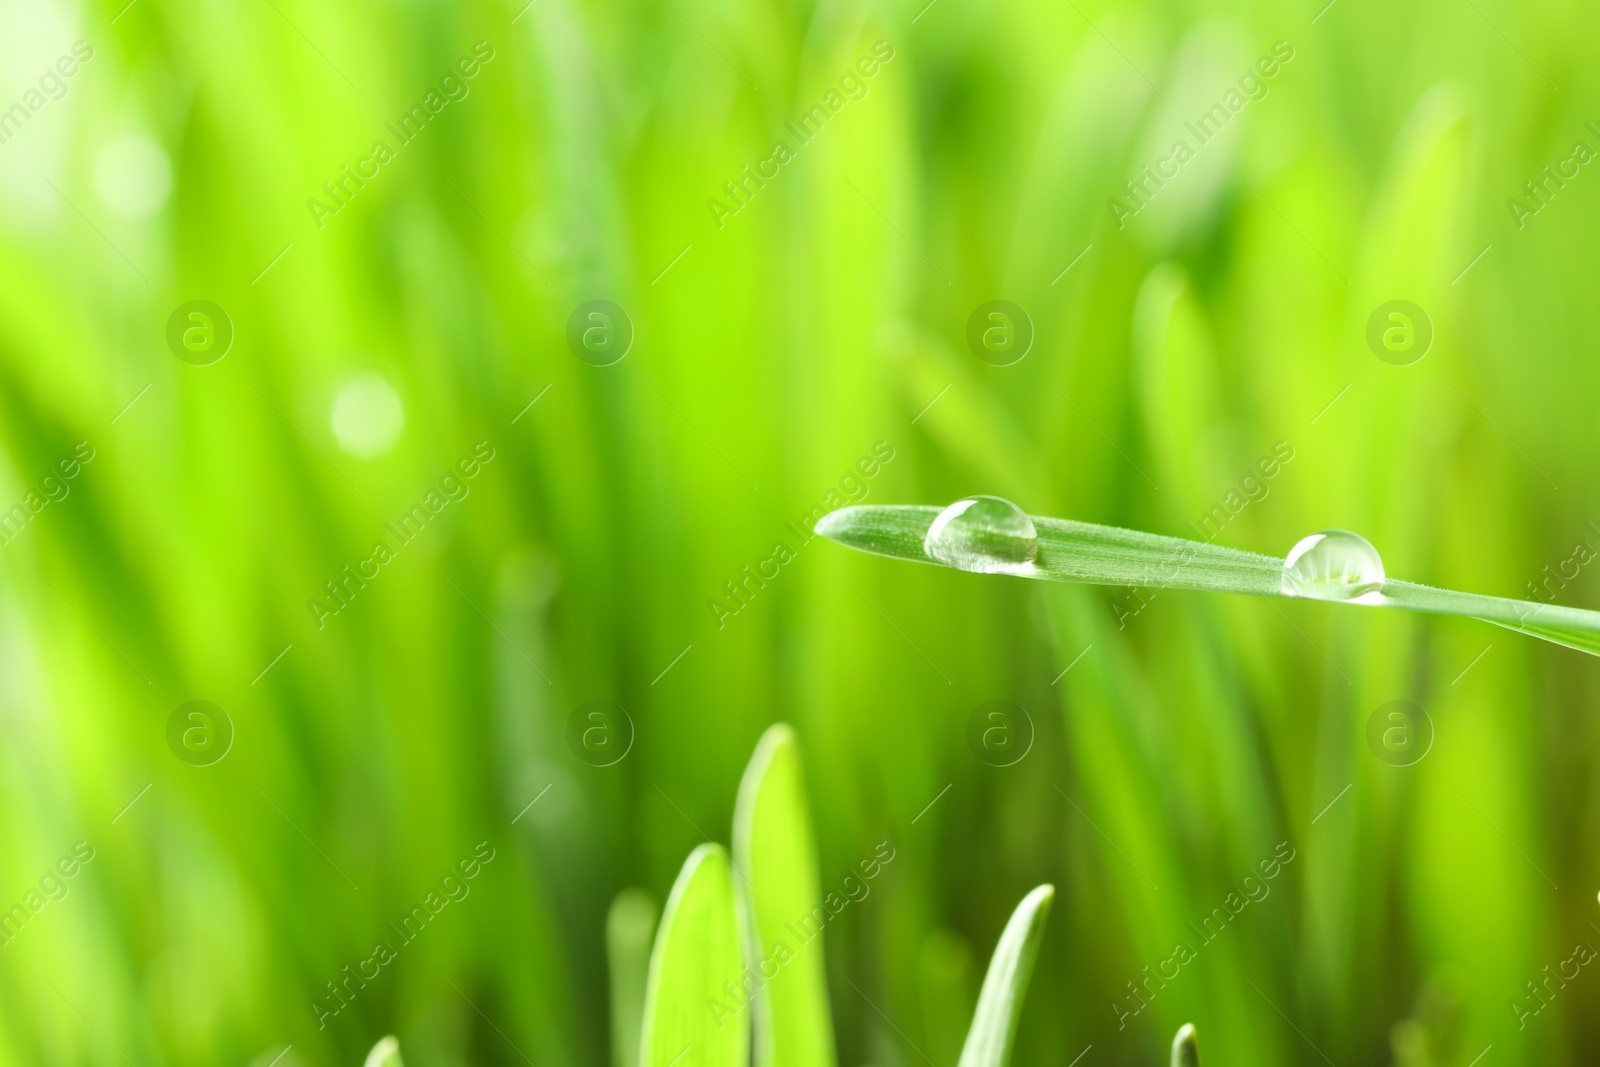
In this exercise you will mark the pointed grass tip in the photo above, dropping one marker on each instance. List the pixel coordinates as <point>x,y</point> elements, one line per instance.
<point>1185,1049</point>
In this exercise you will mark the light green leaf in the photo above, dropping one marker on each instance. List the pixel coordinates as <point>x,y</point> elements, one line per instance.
<point>1110,555</point>
<point>386,1053</point>
<point>630,927</point>
<point>773,846</point>
<point>692,1015</point>
<point>994,1024</point>
<point>1185,1049</point>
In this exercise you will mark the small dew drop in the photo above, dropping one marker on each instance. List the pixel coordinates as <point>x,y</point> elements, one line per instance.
<point>984,534</point>
<point>1332,565</point>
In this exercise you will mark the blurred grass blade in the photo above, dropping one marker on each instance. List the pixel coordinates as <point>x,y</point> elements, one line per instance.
<point>1110,555</point>
<point>994,1024</point>
<point>773,845</point>
<point>1177,376</point>
<point>689,1017</point>
<point>945,992</point>
<point>969,422</point>
<point>630,926</point>
<point>386,1053</point>
<point>1185,1049</point>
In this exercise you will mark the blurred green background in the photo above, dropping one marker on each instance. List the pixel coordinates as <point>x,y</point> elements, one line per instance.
<point>773,349</point>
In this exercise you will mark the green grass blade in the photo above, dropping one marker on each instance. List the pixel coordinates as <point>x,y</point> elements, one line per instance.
<point>386,1053</point>
<point>630,927</point>
<point>1185,1049</point>
<point>994,1024</point>
<point>774,846</point>
<point>1110,555</point>
<point>1572,627</point>
<point>1073,551</point>
<point>690,1016</point>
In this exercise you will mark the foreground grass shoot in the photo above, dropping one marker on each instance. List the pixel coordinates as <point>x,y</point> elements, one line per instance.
<point>1185,1049</point>
<point>989,535</point>
<point>773,846</point>
<point>727,961</point>
<point>386,1053</point>
<point>698,951</point>
<point>994,1024</point>
<point>705,996</point>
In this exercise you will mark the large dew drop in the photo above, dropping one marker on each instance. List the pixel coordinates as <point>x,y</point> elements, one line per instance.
<point>1332,565</point>
<point>984,534</point>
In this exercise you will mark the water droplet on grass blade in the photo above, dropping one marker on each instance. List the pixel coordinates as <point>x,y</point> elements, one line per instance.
<point>1332,565</point>
<point>984,534</point>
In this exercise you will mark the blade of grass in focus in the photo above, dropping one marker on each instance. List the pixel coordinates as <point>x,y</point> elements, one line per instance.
<point>994,1024</point>
<point>1088,553</point>
<point>696,953</point>
<point>774,846</point>
<point>1072,551</point>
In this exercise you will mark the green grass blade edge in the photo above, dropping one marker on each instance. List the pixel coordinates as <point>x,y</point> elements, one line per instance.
<point>697,954</point>
<point>994,1024</point>
<point>775,848</point>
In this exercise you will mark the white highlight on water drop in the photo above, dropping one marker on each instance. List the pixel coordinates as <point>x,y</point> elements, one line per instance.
<point>984,534</point>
